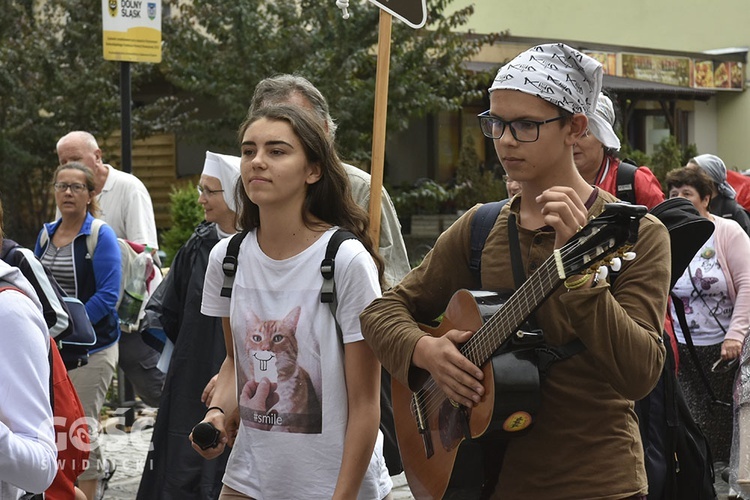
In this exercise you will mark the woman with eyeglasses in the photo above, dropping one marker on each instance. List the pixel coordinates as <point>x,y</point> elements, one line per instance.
<point>95,280</point>
<point>173,469</point>
<point>715,292</point>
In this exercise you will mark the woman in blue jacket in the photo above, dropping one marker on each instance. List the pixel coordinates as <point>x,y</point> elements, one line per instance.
<point>95,281</point>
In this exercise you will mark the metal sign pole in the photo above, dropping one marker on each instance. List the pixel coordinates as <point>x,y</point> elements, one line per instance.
<point>126,162</point>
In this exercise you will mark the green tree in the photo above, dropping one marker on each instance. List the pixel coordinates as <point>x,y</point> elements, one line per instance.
<point>670,155</point>
<point>475,184</point>
<point>53,79</point>
<point>186,213</point>
<point>217,51</point>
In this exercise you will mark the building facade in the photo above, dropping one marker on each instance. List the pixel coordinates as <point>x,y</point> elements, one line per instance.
<point>711,109</point>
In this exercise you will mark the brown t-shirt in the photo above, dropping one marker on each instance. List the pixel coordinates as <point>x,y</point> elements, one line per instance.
<point>585,442</point>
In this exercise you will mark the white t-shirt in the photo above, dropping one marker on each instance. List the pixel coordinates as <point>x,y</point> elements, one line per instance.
<point>703,291</point>
<point>293,447</point>
<point>126,206</point>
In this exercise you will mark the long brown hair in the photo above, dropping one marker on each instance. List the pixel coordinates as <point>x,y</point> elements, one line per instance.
<point>330,199</point>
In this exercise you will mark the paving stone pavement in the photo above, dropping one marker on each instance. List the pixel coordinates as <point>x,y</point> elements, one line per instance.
<point>128,452</point>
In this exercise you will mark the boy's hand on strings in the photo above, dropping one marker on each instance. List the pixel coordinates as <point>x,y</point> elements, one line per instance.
<point>456,376</point>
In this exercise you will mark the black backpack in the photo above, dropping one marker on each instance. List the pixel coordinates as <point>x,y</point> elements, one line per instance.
<point>678,459</point>
<point>328,295</point>
<point>626,181</point>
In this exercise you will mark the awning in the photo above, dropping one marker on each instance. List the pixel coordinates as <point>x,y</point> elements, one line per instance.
<point>624,86</point>
<point>652,90</point>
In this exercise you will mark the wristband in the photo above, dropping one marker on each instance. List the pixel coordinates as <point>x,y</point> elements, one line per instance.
<point>577,283</point>
<point>214,408</point>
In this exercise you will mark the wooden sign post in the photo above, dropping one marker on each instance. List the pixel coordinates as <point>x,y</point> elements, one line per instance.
<point>413,13</point>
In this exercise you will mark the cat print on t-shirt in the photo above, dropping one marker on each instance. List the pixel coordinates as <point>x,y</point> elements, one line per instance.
<point>271,351</point>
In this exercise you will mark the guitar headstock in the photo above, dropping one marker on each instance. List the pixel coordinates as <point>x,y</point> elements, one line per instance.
<point>614,230</point>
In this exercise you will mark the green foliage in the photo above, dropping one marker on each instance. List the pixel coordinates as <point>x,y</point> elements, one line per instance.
<point>670,155</point>
<point>53,79</point>
<point>473,183</point>
<point>690,152</point>
<point>635,156</point>
<point>186,214</point>
<point>248,40</point>
<point>425,197</point>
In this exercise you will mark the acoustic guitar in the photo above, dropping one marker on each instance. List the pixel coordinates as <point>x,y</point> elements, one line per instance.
<point>439,439</point>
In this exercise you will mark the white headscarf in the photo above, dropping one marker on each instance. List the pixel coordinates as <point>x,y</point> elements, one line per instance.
<point>601,123</point>
<point>715,168</point>
<point>226,168</point>
<point>556,73</point>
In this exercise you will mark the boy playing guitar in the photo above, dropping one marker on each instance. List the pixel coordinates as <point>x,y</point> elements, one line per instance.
<point>584,441</point>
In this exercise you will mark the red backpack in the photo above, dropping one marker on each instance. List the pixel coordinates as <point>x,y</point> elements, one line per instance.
<point>71,431</point>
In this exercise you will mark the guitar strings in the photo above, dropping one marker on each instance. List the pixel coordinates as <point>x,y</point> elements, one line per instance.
<point>477,349</point>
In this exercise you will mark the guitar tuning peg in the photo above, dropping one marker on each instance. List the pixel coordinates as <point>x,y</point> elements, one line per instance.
<point>628,256</point>
<point>602,273</point>
<point>616,264</point>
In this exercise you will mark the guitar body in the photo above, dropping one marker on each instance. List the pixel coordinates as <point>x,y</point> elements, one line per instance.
<point>443,457</point>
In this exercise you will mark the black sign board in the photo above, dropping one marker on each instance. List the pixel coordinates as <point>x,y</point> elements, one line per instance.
<point>412,12</point>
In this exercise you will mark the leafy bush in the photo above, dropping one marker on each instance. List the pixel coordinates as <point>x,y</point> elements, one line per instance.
<point>473,183</point>
<point>424,197</point>
<point>668,156</point>
<point>186,214</point>
<point>635,156</point>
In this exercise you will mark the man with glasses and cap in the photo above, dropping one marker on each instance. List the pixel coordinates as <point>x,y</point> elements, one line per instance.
<point>723,199</point>
<point>595,156</point>
<point>585,441</point>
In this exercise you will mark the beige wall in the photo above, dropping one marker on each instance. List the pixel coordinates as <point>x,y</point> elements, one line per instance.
<point>680,25</point>
<point>687,25</point>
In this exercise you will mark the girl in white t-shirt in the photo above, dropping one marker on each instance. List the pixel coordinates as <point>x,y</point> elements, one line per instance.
<point>303,405</point>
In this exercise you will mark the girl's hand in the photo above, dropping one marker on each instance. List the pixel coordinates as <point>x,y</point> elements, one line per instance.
<point>217,418</point>
<point>208,392</point>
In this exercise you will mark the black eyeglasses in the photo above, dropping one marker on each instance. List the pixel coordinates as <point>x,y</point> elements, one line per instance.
<point>208,192</point>
<point>75,188</point>
<point>522,130</point>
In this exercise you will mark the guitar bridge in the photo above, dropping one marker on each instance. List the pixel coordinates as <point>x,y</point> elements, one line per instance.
<point>421,419</point>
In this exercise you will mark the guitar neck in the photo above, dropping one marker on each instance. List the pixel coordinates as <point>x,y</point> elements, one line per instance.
<point>506,321</point>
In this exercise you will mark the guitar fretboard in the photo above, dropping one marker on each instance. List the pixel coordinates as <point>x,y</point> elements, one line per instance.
<point>513,314</point>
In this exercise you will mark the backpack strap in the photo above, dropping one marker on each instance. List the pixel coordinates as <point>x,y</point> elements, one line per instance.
<point>481,225</point>
<point>548,355</point>
<point>91,239</point>
<point>626,182</point>
<point>229,264</point>
<point>44,237</point>
<point>327,268</point>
